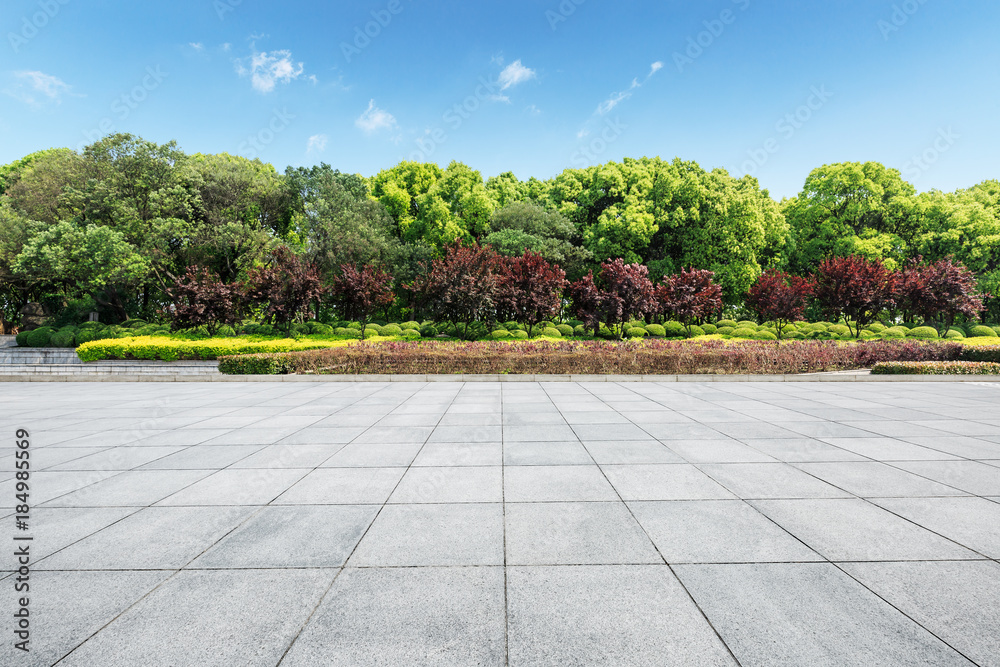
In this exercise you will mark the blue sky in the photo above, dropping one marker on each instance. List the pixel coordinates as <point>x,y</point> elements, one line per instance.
<point>773,88</point>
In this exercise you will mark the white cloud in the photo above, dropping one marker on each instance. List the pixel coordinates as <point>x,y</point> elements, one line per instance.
<point>533,110</point>
<point>227,46</point>
<point>514,74</point>
<point>267,69</point>
<point>36,88</point>
<point>375,119</point>
<point>654,68</point>
<point>607,105</point>
<point>317,142</point>
<point>197,46</point>
<point>313,79</point>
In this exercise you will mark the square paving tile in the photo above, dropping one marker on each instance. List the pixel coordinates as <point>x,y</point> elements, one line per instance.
<point>847,529</point>
<point>957,601</point>
<point>877,480</point>
<point>366,455</point>
<point>664,482</point>
<point>288,456</point>
<point>770,480</point>
<point>555,483</point>
<point>426,535</point>
<point>68,607</point>
<point>246,606</point>
<point>466,434</point>
<point>717,531</point>
<point>203,457</point>
<point>607,615</point>
<point>610,432</point>
<point>631,451</point>
<point>889,449</point>
<point>969,521</point>
<point>575,534</point>
<point>438,454</point>
<point>343,486</point>
<point>323,536</point>
<point>716,451</point>
<point>450,485</point>
<point>524,453</point>
<point>422,616</point>
<point>808,614</point>
<point>801,450</point>
<point>136,488</point>
<point>969,476</point>
<point>538,433</point>
<point>237,487</point>
<point>54,528</point>
<point>152,538</point>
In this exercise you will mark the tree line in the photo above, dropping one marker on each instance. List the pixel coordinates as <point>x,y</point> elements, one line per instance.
<point>121,225</point>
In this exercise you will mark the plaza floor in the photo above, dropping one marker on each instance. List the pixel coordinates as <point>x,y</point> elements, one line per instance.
<point>506,524</point>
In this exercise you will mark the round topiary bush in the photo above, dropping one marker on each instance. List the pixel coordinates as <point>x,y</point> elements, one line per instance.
<point>839,329</point>
<point>696,331</point>
<point>876,327</point>
<point>565,329</point>
<point>867,335</point>
<point>322,330</point>
<point>982,331</point>
<point>725,331</point>
<point>574,323</point>
<point>410,325</point>
<point>954,334</point>
<point>636,332</point>
<point>747,324</point>
<point>134,324</point>
<point>996,328</point>
<point>794,335</point>
<point>411,334</point>
<point>65,337</point>
<point>636,324</point>
<point>373,326</point>
<point>265,330</point>
<point>428,331</point>
<point>519,334</point>
<point>224,330</point>
<point>40,337</point>
<point>656,330</point>
<point>353,333</point>
<point>763,335</point>
<point>895,332</point>
<point>392,330</point>
<point>511,326</point>
<point>727,323</point>
<point>551,332</point>
<point>22,339</point>
<point>545,324</point>
<point>581,330</point>
<point>674,330</point>
<point>501,334</point>
<point>341,331</point>
<point>923,333</point>
<point>709,329</point>
<point>743,332</point>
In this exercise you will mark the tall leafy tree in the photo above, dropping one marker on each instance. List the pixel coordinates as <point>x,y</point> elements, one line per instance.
<point>690,296</point>
<point>855,287</point>
<point>530,289</point>
<point>779,297</point>
<point>359,291</point>
<point>285,286</point>
<point>461,287</point>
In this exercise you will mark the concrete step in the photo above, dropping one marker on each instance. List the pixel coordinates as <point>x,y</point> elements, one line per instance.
<point>111,368</point>
<point>38,355</point>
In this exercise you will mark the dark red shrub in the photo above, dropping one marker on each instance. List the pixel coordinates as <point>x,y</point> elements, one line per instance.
<point>460,287</point>
<point>689,296</point>
<point>360,291</point>
<point>200,298</point>
<point>285,287</point>
<point>530,289</point>
<point>779,297</point>
<point>855,287</point>
<point>939,292</point>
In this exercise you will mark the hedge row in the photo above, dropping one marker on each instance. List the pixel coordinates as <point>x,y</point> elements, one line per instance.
<point>169,349</point>
<point>657,357</point>
<point>936,368</point>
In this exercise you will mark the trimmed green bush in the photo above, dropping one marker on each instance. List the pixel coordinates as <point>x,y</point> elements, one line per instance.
<point>428,331</point>
<point>134,324</point>
<point>725,331</point>
<point>22,339</point>
<point>876,327</point>
<point>255,364</point>
<point>411,334</point>
<point>574,323</point>
<point>763,335</point>
<point>635,324</point>
<point>65,337</point>
<point>551,332</point>
<point>895,332</point>
<point>322,330</point>
<point>564,329</point>
<point>511,326</point>
<point>501,334</point>
<point>519,334</point>
<point>996,328</point>
<point>923,333</point>
<point>743,332</point>
<point>391,330</point>
<point>794,335</point>
<point>727,323</point>
<point>936,368</point>
<point>656,330</point>
<point>410,325</point>
<point>546,324</point>
<point>981,353</point>
<point>839,329</point>
<point>982,331</point>
<point>709,329</point>
<point>954,334</point>
<point>353,333</point>
<point>696,331</point>
<point>40,337</point>
<point>674,330</point>
<point>636,332</point>
<point>747,324</point>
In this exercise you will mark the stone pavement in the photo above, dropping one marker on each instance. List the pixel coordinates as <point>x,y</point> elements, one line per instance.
<point>492,524</point>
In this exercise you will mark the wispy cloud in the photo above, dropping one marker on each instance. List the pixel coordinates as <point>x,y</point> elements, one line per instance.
<point>317,142</point>
<point>655,67</point>
<point>267,69</point>
<point>613,100</point>
<point>197,46</point>
<point>37,88</point>
<point>514,74</point>
<point>375,119</point>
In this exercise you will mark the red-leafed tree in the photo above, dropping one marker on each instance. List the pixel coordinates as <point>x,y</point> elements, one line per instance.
<point>780,297</point>
<point>623,292</point>
<point>461,287</point>
<point>939,292</point>
<point>285,287</point>
<point>530,289</point>
<point>855,287</point>
<point>200,298</point>
<point>690,295</point>
<point>360,291</point>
